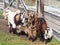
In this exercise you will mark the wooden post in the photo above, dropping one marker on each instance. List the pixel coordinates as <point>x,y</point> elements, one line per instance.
<point>10,1</point>
<point>17,4</point>
<point>25,8</point>
<point>40,8</point>
<point>4,4</point>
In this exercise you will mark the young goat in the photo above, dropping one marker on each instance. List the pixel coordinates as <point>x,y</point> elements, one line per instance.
<point>48,34</point>
<point>15,19</point>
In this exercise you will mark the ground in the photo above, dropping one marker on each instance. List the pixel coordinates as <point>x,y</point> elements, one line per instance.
<point>11,39</point>
<point>7,38</point>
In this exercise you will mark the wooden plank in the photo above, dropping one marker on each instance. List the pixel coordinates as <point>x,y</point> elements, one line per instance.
<point>11,2</point>
<point>17,4</point>
<point>4,4</point>
<point>40,8</point>
<point>24,6</point>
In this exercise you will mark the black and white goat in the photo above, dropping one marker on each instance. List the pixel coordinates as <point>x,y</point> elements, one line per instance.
<point>48,34</point>
<point>14,19</point>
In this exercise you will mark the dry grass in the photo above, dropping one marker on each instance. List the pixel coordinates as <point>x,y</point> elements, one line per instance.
<point>8,39</point>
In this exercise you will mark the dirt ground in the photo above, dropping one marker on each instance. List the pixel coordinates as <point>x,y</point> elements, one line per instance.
<point>5,28</point>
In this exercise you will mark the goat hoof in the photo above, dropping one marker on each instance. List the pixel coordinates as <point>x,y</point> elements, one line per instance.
<point>33,40</point>
<point>26,35</point>
<point>10,31</point>
<point>45,42</point>
<point>14,32</point>
<point>18,34</point>
<point>30,38</point>
<point>42,40</point>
